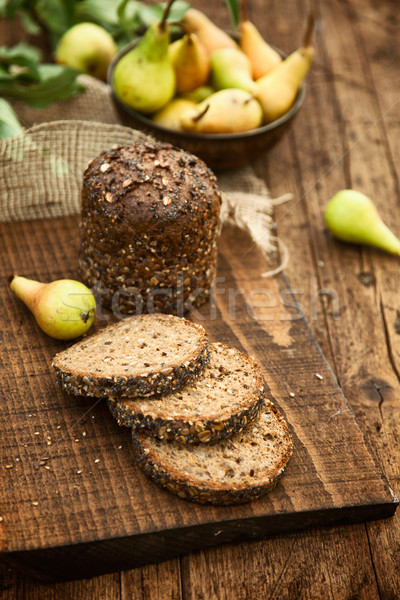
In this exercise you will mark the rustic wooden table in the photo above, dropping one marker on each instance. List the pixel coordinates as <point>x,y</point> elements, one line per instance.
<point>345,136</point>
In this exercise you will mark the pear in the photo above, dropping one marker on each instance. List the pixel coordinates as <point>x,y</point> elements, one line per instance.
<point>226,111</point>
<point>144,78</point>
<point>190,61</point>
<point>88,48</point>
<point>230,68</point>
<point>170,115</point>
<point>262,56</point>
<point>199,94</point>
<point>210,36</point>
<point>352,217</point>
<point>64,309</point>
<point>278,89</point>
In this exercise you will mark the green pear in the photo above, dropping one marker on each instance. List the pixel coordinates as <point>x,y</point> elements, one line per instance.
<point>278,89</point>
<point>199,94</point>
<point>144,78</point>
<point>88,48</point>
<point>210,36</point>
<point>352,217</point>
<point>190,61</point>
<point>170,115</point>
<point>64,309</point>
<point>225,111</point>
<point>230,68</point>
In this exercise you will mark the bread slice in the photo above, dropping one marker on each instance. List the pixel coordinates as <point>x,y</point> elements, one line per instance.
<point>231,471</point>
<point>227,396</point>
<point>139,356</point>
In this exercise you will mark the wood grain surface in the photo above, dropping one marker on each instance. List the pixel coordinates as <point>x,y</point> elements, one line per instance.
<point>345,136</point>
<point>75,504</point>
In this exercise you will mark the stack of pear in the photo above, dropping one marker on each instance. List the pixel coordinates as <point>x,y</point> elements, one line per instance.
<point>206,82</point>
<point>144,78</point>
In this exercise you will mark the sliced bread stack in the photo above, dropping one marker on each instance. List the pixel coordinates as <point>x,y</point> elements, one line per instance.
<point>200,423</point>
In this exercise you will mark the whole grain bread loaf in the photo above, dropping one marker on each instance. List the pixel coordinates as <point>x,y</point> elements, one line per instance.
<point>231,471</point>
<point>149,221</point>
<point>220,402</point>
<point>138,356</point>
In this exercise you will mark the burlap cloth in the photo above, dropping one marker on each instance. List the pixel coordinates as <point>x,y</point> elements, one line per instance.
<point>41,170</point>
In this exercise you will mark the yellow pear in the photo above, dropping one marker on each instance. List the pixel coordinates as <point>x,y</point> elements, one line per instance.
<point>210,36</point>
<point>225,111</point>
<point>64,309</point>
<point>278,89</point>
<point>263,58</point>
<point>190,61</point>
<point>170,115</point>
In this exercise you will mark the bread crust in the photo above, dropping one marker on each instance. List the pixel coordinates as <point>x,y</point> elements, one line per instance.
<point>179,482</point>
<point>201,427</point>
<point>157,382</point>
<point>187,432</point>
<point>149,224</point>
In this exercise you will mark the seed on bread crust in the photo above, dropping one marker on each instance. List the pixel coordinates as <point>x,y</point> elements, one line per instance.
<point>226,396</point>
<point>233,471</point>
<point>154,354</point>
<point>149,211</point>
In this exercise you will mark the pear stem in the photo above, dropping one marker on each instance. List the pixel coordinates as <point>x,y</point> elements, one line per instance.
<point>201,115</point>
<point>309,31</point>
<point>243,11</point>
<point>165,14</point>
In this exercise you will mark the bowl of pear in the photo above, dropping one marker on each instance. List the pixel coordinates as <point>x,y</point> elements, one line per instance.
<point>226,98</point>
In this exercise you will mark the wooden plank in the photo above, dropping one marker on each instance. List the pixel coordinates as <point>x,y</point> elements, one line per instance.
<point>92,510</point>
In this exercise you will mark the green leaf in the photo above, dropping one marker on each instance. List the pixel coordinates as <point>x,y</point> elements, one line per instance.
<point>56,17</point>
<point>30,25</point>
<point>57,82</point>
<point>234,8</point>
<point>22,54</point>
<point>9,123</point>
<point>102,12</point>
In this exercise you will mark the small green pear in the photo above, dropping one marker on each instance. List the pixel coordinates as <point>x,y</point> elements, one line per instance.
<point>230,68</point>
<point>226,111</point>
<point>64,309</point>
<point>88,48</point>
<point>144,78</point>
<point>170,115</point>
<point>352,217</point>
<point>199,94</point>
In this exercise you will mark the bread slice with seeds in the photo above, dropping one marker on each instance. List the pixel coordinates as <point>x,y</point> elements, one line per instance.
<point>227,396</point>
<point>139,356</point>
<point>231,471</point>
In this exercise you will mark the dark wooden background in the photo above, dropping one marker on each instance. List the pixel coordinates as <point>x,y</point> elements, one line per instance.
<point>345,136</point>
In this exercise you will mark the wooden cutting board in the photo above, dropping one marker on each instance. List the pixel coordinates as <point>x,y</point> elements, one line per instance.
<point>72,501</point>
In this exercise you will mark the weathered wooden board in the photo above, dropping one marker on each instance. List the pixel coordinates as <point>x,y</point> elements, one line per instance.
<point>72,501</point>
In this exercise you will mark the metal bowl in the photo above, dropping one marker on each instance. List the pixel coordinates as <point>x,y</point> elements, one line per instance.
<point>221,151</point>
